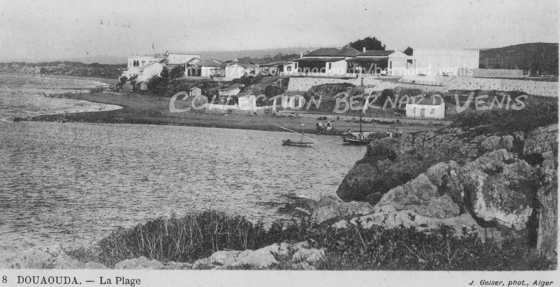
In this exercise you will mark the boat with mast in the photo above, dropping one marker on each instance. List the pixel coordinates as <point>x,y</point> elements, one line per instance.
<point>356,138</point>
<point>297,143</point>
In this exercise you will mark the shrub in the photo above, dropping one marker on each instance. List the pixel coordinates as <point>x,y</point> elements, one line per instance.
<point>199,235</point>
<point>191,237</point>
<point>407,249</point>
<point>508,121</point>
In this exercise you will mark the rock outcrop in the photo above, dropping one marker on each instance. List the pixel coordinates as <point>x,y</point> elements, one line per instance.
<point>328,208</point>
<point>499,189</point>
<point>493,191</point>
<point>541,146</point>
<point>547,233</point>
<point>390,162</point>
<point>47,258</point>
<point>291,256</point>
<point>497,185</point>
<point>139,263</point>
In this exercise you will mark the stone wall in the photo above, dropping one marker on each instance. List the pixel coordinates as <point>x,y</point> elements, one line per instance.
<point>302,84</point>
<point>540,88</point>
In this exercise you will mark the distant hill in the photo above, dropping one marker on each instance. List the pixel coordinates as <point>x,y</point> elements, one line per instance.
<point>536,58</point>
<point>220,55</point>
<point>262,53</point>
<point>66,68</point>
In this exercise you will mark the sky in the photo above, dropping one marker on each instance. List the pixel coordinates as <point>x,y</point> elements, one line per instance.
<point>61,29</point>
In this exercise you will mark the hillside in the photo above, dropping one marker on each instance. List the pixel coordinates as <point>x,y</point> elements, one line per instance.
<point>537,58</point>
<point>64,69</point>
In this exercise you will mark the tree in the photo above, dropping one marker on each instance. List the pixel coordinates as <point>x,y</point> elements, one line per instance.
<point>370,43</point>
<point>408,51</point>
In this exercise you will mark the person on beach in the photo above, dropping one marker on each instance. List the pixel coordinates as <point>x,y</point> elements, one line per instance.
<point>329,127</point>
<point>320,127</point>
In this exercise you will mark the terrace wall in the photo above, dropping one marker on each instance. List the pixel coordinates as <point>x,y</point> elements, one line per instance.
<point>302,84</point>
<point>540,88</point>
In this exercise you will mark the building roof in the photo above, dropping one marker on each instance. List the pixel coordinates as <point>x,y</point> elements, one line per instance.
<point>368,59</point>
<point>376,53</point>
<point>244,65</point>
<point>276,63</point>
<point>210,62</point>
<point>429,101</point>
<point>320,59</point>
<point>333,52</point>
<point>323,52</point>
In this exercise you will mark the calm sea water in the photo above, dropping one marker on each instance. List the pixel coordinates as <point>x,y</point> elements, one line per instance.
<point>73,183</point>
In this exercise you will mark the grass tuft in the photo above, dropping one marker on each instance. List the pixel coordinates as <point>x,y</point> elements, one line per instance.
<point>196,236</point>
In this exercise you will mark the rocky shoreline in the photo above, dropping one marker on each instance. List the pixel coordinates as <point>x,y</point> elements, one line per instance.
<point>498,186</point>
<point>478,197</point>
<point>497,198</point>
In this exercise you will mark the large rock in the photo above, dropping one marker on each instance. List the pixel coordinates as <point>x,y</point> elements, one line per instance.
<point>422,203</point>
<point>309,255</point>
<point>547,233</point>
<point>541,140</point>
<point>292,256</point>
<point>388,217</point>
<point>332,207</point>
<point>495,190</point>
<point>380,170</point>
<point>494,142</point>
<point>42,258</point>
<point>364,180</point>
<point>499,189</point>
<point>389,162</point>
<point>260,258</point>
<point>256,259</point>
<point>139,263</point>
<point>422,197</point>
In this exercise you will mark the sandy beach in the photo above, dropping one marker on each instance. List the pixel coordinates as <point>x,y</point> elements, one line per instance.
<point>149,109</point>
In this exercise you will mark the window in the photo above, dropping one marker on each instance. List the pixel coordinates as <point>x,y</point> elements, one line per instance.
<point>330,66</point>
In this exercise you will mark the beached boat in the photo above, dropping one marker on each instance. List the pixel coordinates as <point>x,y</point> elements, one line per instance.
<point>289,142</point>
<point>358,138</point>
<point>297,143</point>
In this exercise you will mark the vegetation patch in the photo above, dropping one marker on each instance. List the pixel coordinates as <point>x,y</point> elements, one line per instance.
<point>197,236</point>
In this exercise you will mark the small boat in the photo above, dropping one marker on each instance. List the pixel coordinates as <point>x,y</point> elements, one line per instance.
<point>362,140</point>
<point>298,143</point>
<point>289,142</point>
<point>356,138</point>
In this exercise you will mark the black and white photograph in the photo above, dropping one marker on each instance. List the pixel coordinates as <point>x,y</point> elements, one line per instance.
<point>189,136</point>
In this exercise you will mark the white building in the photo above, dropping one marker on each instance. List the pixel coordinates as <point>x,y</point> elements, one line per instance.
<point>399,64</point>
<point>176,58</point>
<point>425,111</point>
<point>440,62</point>
<point>327,61</point>
<point>238,70</point>
<point>336,67</point>
<point>290,68</point>
<point>211,68</point>
<point>136,63</point>
<point>247,103</point>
